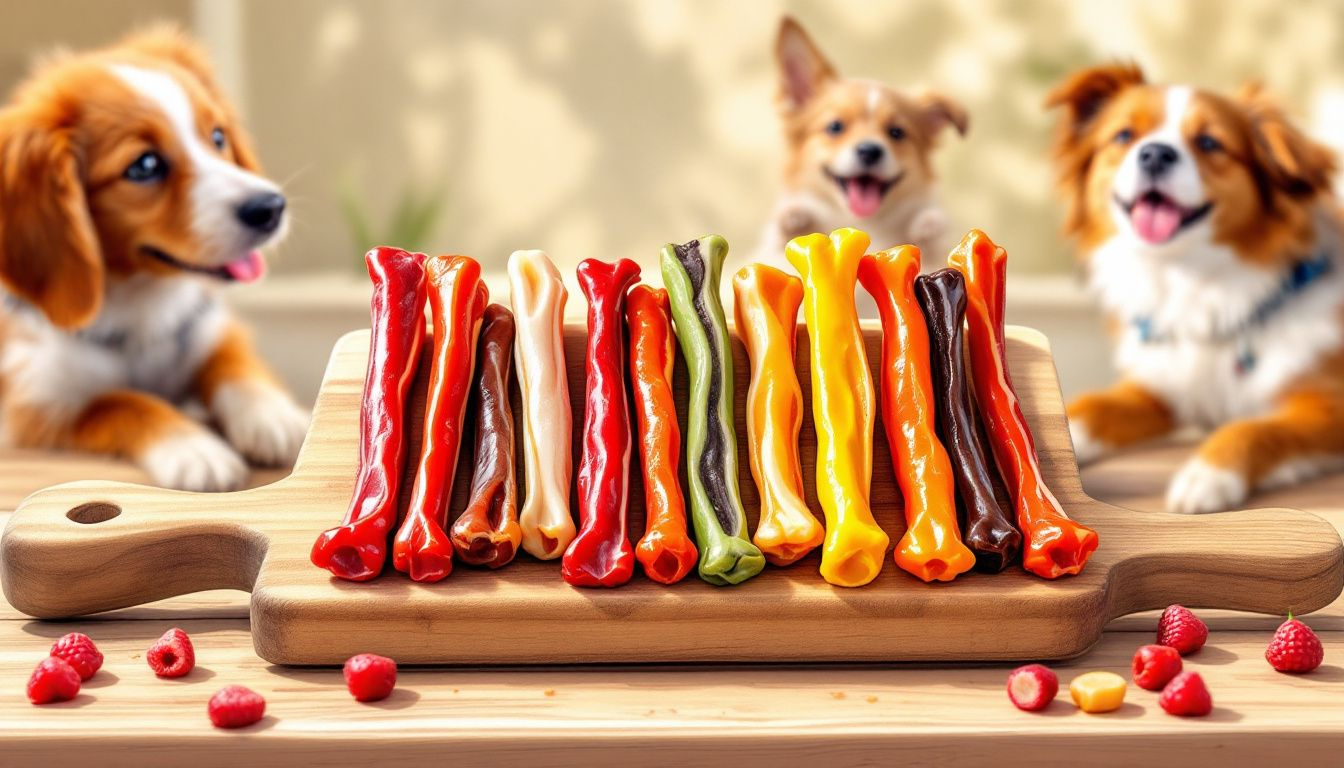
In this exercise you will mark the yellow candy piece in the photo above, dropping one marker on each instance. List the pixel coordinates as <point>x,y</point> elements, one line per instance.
<point>1096,692</point>
<point>842,404</point>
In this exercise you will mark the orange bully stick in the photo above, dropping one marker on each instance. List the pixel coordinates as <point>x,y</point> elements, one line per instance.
<point>931,547</point>
<point>487,532</point>
<point>457,299</point>
<point>767,301</point>
<point>666,551</point>
<point>1055,545</point>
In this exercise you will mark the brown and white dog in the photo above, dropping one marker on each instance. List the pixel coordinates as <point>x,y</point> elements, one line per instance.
<point>1214,245</point>
<point>128,194</point>
<point>858,153</point>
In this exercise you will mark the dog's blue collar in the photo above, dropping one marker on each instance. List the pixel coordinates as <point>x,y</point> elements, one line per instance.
<point>1301,276</point>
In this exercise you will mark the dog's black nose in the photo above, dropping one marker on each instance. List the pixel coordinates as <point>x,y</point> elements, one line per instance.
<point>1155,158</point>
<point>869,153</point>
<point>262,212</point>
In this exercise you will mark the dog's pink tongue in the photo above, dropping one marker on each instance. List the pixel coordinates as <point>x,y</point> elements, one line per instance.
<point>247,269</point>
<point>1155,221</point>
<point>865,195</point>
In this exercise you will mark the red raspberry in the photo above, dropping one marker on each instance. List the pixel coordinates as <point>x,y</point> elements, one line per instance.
<point>1186,696</point>
<point>79,652</point>
<point>53,680</point>
<point>171,655</point>
<point>370,677</point>
<point>1295,648</point>
<point>1032,688</point>
<point>234,706</point>
<point>1155,665</point>
<point>1182,630</point>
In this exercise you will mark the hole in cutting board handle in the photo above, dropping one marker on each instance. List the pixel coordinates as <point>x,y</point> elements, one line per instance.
<point>94,512</point>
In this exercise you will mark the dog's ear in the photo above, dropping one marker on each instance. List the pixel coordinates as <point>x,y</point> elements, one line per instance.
<point>937,112</point>
<point>802,67</point>
<point>1287,157</point>
<point>167,42</point>
<point>49,253</point>
<point>1083,94</point>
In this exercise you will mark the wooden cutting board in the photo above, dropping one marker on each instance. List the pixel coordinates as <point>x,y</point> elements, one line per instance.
<point>87,547</point>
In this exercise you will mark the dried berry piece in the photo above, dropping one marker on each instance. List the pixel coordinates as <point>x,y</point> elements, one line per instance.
<point>171,655</point>
<point>79,652</point>
<point>234,706</point>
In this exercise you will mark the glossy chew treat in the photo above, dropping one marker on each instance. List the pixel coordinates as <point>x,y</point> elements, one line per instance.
<point>986,527</point>
<point>487,532</point>
<point>1055,545</point>
<point>931,548</point>
<point>842,404</point>
<point>457,299</point>
<point>767,322</point>
<point>691,274</point>
<point>601,555</point>
<point>357,548</point>
<point>666,550</point>
<point>539,295</point>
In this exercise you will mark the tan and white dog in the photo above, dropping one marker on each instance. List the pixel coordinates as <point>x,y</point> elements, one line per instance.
<point>858,153</point>
<point>1213,243</point>
<point>128,194</point>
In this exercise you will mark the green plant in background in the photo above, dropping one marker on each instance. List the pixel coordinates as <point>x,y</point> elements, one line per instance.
<point>409,224</point>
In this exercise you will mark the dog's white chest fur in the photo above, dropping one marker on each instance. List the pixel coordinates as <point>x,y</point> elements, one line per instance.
<point>152,335</point>
<point>1194,329</point>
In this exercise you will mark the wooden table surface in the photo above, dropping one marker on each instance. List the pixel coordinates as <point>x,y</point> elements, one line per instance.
<point>837,715</point>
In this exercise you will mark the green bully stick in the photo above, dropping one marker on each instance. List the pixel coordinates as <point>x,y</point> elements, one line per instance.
<point>691,275</point>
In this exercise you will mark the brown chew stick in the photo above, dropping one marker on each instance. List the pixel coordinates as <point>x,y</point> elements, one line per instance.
<point>487,533</point>
<point>985,527</point>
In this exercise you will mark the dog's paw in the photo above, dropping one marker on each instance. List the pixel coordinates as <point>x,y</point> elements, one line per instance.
<point>261,421</point>
<point>796,220</point>
<point>1087,448</point>
<point>928,225</point>
<point>1201,487</point>
<point>194,460</point>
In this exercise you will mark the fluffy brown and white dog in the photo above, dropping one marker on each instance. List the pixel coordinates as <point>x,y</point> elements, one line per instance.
<point>858,153</point>
<point>128,194</point>
<point>1214,245</point>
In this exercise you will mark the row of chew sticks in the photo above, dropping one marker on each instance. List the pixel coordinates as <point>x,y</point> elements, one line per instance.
<point>926,406</point>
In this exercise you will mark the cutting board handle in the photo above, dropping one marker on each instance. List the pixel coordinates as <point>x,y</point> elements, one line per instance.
<point>124,545</point>
<point>1263,560</point>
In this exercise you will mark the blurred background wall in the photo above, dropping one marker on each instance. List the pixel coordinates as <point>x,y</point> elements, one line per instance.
<point>608,127</point>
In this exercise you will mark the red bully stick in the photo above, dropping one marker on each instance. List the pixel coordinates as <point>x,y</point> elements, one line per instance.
<point>601,555</point>
<point>357,548</point>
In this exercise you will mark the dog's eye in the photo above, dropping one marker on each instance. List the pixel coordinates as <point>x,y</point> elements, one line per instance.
<point>896,132</point>
<point>1206,143</point>
<point>1123,136</point>
<point>217,137</point>
<point>147,167</point>
<point>835,127</point>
